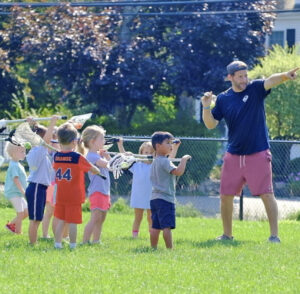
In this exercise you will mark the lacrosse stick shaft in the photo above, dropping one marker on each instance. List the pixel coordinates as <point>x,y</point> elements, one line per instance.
<point>125,139</point>
<point>141,157</point>
<point>35,119</point>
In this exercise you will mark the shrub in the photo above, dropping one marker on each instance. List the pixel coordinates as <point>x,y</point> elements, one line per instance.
<point>187,210</point>
<point>4,203</point>
<point>294,216</point>
<point>121,207</point>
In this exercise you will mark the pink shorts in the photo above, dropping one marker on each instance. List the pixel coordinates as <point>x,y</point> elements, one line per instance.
<point>99,201</point>
<point>254,169</point>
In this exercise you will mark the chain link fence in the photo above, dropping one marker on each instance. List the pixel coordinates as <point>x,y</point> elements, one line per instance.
<point>200,183</point>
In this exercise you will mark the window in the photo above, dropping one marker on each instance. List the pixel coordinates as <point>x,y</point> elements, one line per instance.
<point>290,37</point>
<point>277,37</point>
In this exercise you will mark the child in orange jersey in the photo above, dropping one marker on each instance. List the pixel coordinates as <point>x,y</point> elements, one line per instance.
<point>69,168</point>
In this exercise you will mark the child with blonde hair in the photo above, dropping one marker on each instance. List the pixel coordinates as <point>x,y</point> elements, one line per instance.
<point>15,186</point>
<point>40,173</point>
<point>70,167</point>
<point>141,187</point>
<point>99,189</point>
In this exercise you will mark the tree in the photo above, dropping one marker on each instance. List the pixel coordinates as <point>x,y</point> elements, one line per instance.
<point>282,105</point>
<point>188,54</point>
<point>116,65</point>
<point>9,83</point>
<point>61,51</point>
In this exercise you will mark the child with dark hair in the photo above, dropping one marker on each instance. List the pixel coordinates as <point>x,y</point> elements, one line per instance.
<point>163,179</point>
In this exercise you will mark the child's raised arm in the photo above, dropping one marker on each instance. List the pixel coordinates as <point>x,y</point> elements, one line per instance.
<point>103,162</point>
<point>181,167</point>
<point>48,136</point>
<point>120,145</point>
<point>175,147</point>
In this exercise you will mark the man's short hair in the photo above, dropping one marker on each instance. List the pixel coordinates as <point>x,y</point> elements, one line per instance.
<point>66,133</point>
<point>159,137</point>
<point>236,66</point>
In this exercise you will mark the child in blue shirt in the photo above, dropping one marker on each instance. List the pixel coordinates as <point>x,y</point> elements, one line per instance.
<point>40,177</point>
<point>15,185</point>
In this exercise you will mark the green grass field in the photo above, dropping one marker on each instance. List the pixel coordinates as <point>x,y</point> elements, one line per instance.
<point>198,264</point>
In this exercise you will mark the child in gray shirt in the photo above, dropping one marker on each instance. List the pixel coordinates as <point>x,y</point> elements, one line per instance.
<point>163,179</point>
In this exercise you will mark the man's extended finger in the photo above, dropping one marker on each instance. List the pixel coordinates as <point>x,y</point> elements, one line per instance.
<point>294,70</point>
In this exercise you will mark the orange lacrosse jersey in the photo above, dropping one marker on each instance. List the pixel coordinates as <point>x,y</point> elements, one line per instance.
<point>69,176</point>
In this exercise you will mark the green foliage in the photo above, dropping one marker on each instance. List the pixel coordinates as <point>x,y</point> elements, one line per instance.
<point>295,188</point>
<point>187,210</point>
<point>164,111</point>
<point>294,216</point>
<point>21,109</point>
<point>66,54</point>
<point>294,165</point>
<point>121,207</point>
<point>282,105</point>
<point>58,52</point>
<point>280,161</point>
<point>3,170</point>
<point>4,203</point>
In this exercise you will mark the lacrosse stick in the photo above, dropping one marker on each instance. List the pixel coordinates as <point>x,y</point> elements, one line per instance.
<point>122,161</point>
<point>13,141</point>
<point>110,141</point>
<point>24,133</point>
<point>141,157</point>
<point>77,120</point>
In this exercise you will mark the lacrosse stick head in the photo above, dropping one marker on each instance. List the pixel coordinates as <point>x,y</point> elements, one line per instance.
<point>24,134</point>
<point>121,162</point>
<point>109,142</point>
<point>79,120</point>
<point>115,165</point>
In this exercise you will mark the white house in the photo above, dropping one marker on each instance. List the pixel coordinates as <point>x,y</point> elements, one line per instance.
<point>286,29</point>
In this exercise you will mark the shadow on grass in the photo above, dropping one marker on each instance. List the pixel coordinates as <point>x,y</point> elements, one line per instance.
<point>144,249</point>
<point>210,243</point>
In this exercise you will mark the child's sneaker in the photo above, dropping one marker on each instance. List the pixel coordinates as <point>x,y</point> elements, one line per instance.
<point>274,239</point>
<point>11,227</point>
<point>224,238</point>
<point>72,246</point>
<point>58,246</point>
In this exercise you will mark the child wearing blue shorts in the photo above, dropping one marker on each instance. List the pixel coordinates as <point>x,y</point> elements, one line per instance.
<point>40,177</point>
<point>163,179</point>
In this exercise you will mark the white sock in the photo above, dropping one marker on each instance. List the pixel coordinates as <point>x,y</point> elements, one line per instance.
<point>72,245</point>
<point>58,245</point>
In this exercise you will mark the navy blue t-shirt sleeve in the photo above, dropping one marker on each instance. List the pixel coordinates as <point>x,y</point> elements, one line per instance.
<point>217,110</point>
<point>260,88</point>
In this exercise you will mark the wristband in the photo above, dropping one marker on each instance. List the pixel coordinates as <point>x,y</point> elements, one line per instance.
<point>206,107</point>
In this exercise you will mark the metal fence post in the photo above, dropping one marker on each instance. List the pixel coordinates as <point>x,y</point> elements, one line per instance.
<point>241,214</point>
